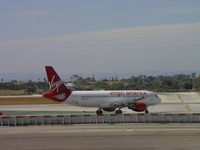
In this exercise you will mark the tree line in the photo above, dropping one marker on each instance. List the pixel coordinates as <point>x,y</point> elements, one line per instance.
<point>160,83</point>
<point>29,87</point>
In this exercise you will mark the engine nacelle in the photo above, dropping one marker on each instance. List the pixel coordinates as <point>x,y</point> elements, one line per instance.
<point>139,107</point>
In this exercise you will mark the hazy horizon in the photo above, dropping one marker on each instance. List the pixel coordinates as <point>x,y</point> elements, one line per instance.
<point>98,76</point>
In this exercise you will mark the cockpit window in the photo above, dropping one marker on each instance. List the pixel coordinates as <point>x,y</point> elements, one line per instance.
<point>156,95</point>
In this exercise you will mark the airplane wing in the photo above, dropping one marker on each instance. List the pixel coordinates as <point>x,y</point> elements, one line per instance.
<point>121,103</point>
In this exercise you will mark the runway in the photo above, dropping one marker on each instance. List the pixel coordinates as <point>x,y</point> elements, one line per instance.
<point>179,102</point>
<point>98,137</point>
<point>69,109</point>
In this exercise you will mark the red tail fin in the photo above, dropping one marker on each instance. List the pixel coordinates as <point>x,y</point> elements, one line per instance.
<point>58,90</point>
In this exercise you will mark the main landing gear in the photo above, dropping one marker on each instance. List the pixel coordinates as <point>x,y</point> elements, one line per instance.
<point>118,111</point>
<point>146,111</point>
<point>99,112</point>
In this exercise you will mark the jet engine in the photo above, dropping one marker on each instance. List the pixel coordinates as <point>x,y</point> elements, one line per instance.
<point>139,107</point>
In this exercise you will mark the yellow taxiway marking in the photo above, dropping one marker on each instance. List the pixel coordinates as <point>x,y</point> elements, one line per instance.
<point>180,98</point>
<point>188,108</point>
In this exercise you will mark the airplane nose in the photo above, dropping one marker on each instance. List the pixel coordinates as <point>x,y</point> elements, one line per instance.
<point>159,99</point>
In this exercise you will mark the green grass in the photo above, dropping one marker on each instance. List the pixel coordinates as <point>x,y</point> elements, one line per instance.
<point>25,101</point>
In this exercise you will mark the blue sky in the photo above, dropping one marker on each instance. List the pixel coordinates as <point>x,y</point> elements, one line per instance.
<point>99,35</point>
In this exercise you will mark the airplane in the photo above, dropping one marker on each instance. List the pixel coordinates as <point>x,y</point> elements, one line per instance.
<point>136,100</point>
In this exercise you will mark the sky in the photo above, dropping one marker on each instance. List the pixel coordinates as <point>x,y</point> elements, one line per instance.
<point>90,36</point>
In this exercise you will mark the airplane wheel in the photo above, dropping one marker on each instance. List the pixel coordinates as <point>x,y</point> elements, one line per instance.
<point>146,111</point>
<point>99,112</point>
<point>119,111</point>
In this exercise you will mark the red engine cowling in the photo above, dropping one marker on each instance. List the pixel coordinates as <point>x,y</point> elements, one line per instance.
<point>139,107</point>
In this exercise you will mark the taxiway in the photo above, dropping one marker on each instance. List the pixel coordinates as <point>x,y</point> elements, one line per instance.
<point>98,137</point>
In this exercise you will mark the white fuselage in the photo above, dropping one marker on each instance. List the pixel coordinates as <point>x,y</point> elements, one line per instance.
<point>99,98</point>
